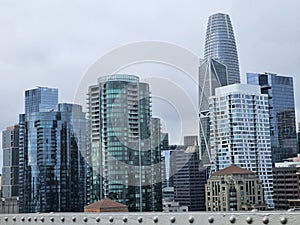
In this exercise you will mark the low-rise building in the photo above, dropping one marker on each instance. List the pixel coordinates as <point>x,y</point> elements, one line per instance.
<point>174,207</point>
<point>234,189</point>
<point>286,179</point>
<point>285,184</point>
<point>106,205</point>
<point>9,205</point>
<point>168,194</point>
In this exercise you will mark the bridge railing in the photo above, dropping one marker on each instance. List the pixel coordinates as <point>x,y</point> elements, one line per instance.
<point>189,218</point>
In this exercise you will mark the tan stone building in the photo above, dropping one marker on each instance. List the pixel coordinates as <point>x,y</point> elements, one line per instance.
<point>234,189</point>
<point>106,205</point>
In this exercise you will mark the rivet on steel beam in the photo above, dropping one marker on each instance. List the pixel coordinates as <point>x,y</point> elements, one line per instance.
<point>85,219</point>
<point>265,220</point>
<point>62,219</point>
<point>35,218</point>
<point>155,219</point>
<point>210,219</point>
<point>29,219</point>
<point>6,219</point>
<point>42,219</point>
<point>22,218</point>
<point>74,219</point>
<point>111,219</point>
<point>97,219</point>
<point>191,219</point>
<point>283,220</point>
<point>249,220</point>
<point>172,219</point>
<point>232,219</point>
<point>140,219</point>
<point>52,219</point>
<point>14,218</point>
<point>125,219</point>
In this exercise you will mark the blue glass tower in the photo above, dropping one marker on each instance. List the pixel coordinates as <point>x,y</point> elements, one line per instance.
<point>41,99</point>
<point>282,113</point>
<point>52,154</point>
<point>220,45</point>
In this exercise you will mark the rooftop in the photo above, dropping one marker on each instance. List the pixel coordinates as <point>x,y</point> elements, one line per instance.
<point>104,204</point>
<point>232,170</point>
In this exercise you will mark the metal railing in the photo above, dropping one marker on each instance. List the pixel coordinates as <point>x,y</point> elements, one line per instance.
<point>190,218</point>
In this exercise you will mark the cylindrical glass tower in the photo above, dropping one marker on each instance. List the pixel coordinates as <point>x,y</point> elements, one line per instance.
<point>220,45</point>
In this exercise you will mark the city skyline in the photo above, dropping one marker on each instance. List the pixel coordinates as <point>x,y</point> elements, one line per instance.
<point>43,62</point>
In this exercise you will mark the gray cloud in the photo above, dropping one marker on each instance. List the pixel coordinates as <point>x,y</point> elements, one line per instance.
<point>53,42</point>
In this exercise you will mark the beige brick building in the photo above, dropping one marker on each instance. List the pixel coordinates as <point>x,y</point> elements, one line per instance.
<point>234,189</point>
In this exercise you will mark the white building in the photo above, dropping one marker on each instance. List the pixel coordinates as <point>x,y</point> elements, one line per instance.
<point>240,132</point>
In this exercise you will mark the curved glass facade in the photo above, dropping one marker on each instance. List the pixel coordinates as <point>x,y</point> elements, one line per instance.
<point>220,45</point>
<point>52,160</point>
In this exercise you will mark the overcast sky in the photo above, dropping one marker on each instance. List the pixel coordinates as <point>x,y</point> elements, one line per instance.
<point>53,42</point>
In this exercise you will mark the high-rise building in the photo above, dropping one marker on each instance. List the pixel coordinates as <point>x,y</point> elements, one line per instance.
<point>164,141</point>
<point>41,99</point>
<point>52,158</point>
<point>190,140</point>
<point>124,143</point>
<point>212,74</point>
<point>186,180</point>
<point>240,132</point>
<point>10,169</point>
<point>0,185</point>
<point>165,158</point>
<point>234,189</point>
<point>220,45</point>
<point>280,91</point>
<point>156,162</point>
<point>298,133</point>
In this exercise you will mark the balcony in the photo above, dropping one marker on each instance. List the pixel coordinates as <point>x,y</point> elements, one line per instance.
<point>254,218</point>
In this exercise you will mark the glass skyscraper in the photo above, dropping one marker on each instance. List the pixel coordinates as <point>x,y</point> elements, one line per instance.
<point>41,99</point>
<point>240,132</point>
<point>52,158</point>
<point>282,113</point>
<point>124,143</point>
<point>212,74</point>
<point>220,45</point>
